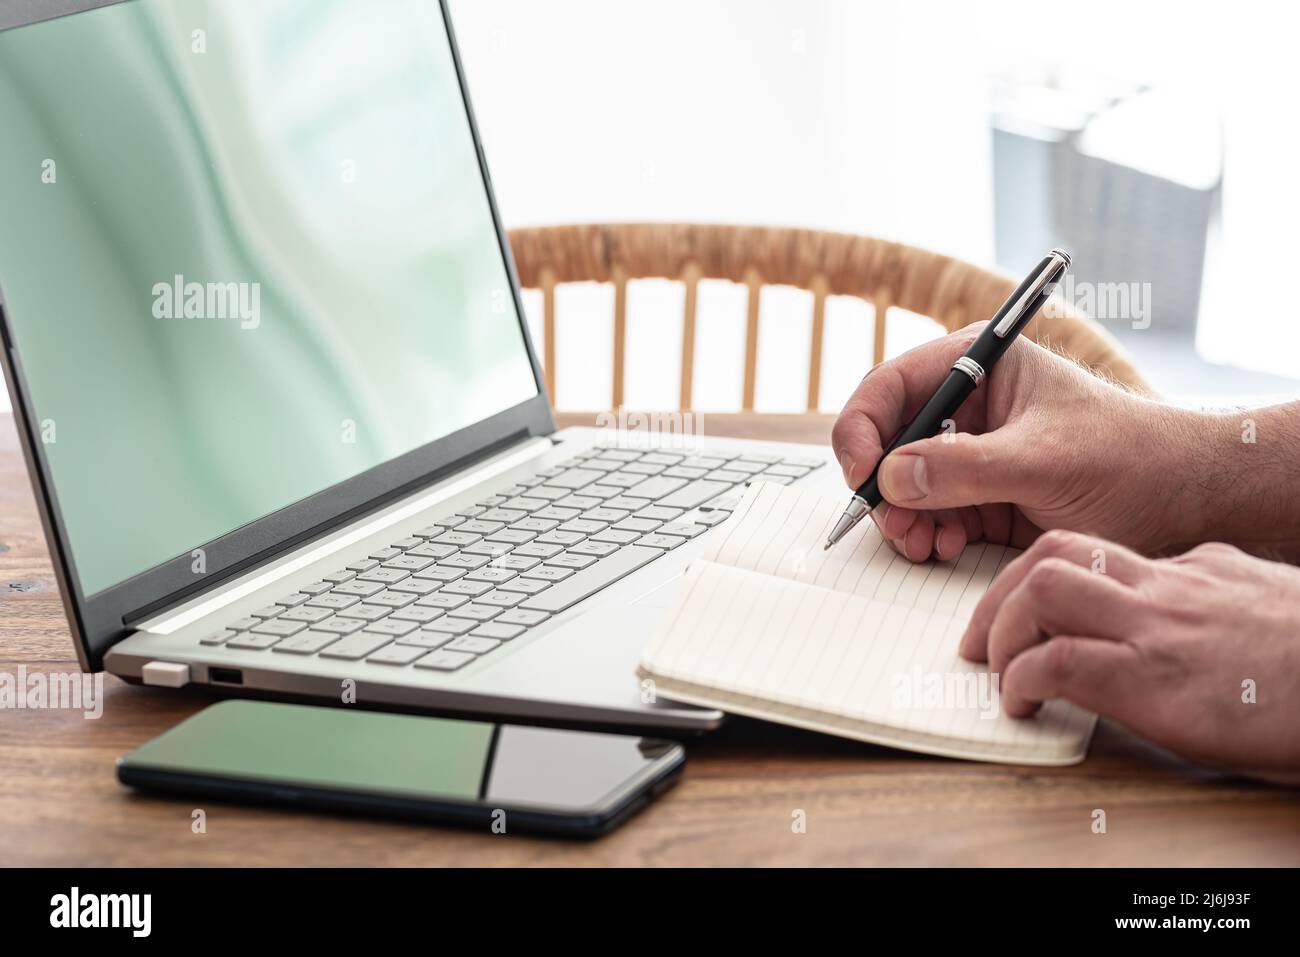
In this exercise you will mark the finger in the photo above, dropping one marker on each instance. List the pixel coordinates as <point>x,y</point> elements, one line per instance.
<point>1060,598</point>
<point>1110,561</point>
<point>918,543</point>
<point>887,398</point>
<point>1094,674</point>
<point>897,520</point>
<point>951,471</point>
<point>950,535</point>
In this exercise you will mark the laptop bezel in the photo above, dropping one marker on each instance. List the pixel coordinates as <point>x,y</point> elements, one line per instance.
<point>100,620</point>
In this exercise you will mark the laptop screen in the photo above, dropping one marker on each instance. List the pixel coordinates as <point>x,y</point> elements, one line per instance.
<point>247,253</point>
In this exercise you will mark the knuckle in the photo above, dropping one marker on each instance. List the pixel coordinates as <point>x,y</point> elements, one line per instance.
<point>1053,542</point>
<point>1059,660</point>
<point>1048,576</point>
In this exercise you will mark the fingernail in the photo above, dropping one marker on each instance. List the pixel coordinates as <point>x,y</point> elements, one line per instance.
<point>846,466</point>
<point>903,477</point>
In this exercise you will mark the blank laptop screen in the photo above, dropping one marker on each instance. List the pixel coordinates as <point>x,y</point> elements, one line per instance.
<point>247,253</point>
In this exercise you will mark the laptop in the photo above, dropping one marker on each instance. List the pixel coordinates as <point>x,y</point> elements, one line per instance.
<point>273,378</point>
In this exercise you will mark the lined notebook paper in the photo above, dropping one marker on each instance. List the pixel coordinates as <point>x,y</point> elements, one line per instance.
<point>855,641</point>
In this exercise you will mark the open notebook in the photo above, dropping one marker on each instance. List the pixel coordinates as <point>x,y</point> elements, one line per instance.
<point>855,641</point>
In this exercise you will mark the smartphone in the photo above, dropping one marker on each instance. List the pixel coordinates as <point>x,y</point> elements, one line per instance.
<point>505,777</point>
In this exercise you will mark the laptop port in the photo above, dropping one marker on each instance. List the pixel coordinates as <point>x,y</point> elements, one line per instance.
<point>225,676</point>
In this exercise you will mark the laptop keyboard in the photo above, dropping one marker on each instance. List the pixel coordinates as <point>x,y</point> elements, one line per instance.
<point>464,585</point>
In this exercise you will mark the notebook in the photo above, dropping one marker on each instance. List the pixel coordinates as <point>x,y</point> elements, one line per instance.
<point>855,641</point>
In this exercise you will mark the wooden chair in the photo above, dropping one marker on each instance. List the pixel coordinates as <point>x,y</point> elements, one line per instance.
<point>889,275</point>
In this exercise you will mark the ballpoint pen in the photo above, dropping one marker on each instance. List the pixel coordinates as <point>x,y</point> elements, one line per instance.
<point>967,373</point>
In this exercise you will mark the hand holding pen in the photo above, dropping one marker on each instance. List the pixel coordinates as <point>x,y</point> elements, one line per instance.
<point>967,372</point>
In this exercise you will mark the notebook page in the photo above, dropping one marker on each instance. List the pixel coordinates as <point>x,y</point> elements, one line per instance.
<point>780,530</point>
<point>777,648</point>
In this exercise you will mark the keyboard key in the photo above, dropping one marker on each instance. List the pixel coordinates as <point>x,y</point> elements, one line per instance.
<point>421,616</point>
<point>269,611</point>
<point>684,529</point>
<point>384,575</point>
<point>517,616</point>
<point>493,575</point>
<point>747,468</point>
<point>512,536</point>
<point>384,554</point>
<point>726,475</point>
<point>465,562</point>
<point>490,549</point>
<point>396,655</point>
<point>685,472</point>
<point>392,599</point>
<point>529,586</point>
<point>625,502</point>
<point>697,493</point>
<point>476,612</point>
<point>355,647</point>
<point>425,640</point>
<point>432,529</point>
<point>444,660</point>
<point>599,492</point>
<point>643,468</point>
<point>569,560</point>
<point>409,562</point>
<point>548,573</point>
<point>590,580</point>
<point>279,627</point>
<point>392,627</point>
<point>309,615</point>
<point>535,524</point>
<point>405,543</point>
<point>662,458</point>
<point>415,586</point>
<point>641,525</point>
<point>501,598</point>
<point>504,515</point>
<point>360,589</point>
<point>616,536</point>
<point>658,513</point>
<point>473,511</point>
<point>527,503</point>
<point>788,471</point>
<point>620,455</point>
<point>762,457</point>
<point>333,601</point>
<point>495,631</point>
<point>560,538</point>
<point>307,643</point>
<point>535,550</point>
<point>711,518</point>
<point>704,462</point>
<point>451,626</point>
<point>252,642</point>
<point>773,479</point>
<point>480,527</point>
<point>727,503</point>
<point>598,549</point>
<point>463,587</point>
<point>440,573</point>
<point>459,539</point>
<point>340,626</point>
<point>606,515</point>
<point>219,637</point>
<point>474,646</point>
<point>583,526</point>
<point>516,562</point>
<point>293,600</point>
<point>492,501</point>
<point>440,600</point>
<point>562,513</point>
<point>365,612</point>
<point>665,542</point>
<point>575,478</point>
<point>340,576</point>
<point>626,480</point>
<point>315,588</point>
<point>243,624</point>
<point>433,550</point>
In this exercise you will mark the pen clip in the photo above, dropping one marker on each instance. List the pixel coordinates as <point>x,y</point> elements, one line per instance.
<point>1055,259</point>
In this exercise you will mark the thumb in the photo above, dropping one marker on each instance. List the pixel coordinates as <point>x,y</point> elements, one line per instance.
<point>954,470</point>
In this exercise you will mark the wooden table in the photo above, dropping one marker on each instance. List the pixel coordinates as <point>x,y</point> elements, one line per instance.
<point>61,805</point>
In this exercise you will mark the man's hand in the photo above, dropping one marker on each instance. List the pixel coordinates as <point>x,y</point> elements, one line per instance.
<point>1200,653</point>
<point>1041,444</point>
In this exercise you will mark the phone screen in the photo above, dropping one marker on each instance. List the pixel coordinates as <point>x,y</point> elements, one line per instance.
<point>439,759</point>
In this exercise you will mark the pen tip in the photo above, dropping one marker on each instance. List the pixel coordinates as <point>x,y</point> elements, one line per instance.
<point>827,546</point>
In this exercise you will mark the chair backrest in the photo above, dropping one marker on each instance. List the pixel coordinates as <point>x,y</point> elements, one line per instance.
<point>888,275</point>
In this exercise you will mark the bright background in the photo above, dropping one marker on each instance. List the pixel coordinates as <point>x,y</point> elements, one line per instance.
<point>876,117</point>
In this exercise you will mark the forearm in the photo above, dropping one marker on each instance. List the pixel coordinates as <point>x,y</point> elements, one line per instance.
<point>1235,477</point>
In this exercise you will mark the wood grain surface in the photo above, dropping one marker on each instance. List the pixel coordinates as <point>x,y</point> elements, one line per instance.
<point>60,803</point>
